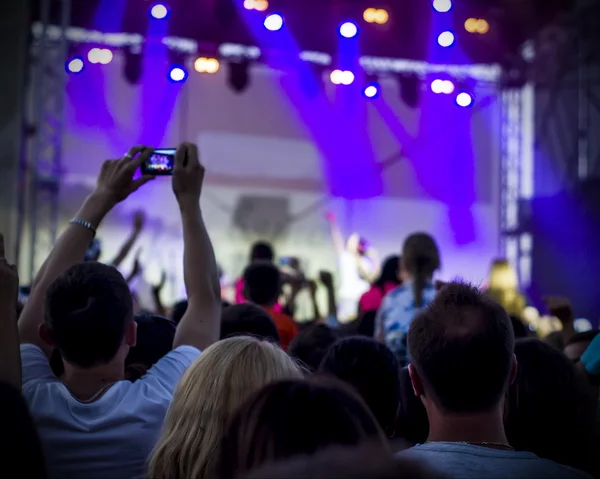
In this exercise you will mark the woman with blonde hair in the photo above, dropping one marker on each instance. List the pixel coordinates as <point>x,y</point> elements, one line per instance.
<point>209,393</point>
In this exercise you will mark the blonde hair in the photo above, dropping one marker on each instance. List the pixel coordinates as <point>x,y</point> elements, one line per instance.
<point>207,396</point>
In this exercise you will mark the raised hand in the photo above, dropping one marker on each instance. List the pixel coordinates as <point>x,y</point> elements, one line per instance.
<point>139,219</point>
<point>116,180</point>
<point>326,278</point>
<point>188,174</point>
<point>9,280</point>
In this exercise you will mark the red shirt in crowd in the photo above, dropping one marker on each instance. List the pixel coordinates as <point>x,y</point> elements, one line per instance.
<point>286,327</point>
<point>371,300</point>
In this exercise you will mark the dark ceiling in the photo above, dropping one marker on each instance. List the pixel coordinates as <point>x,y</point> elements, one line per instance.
<point>313,23</point>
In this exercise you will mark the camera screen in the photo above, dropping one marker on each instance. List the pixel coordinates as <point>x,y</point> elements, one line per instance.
<point>161,162</point>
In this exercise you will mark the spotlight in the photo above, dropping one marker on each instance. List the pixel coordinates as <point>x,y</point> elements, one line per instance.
<point>75,65</point>
<point>105,56</point>
<point>371,90</point>
<point>348,30</point>
<point>177,74</point>
<point>437,86</point>
<point>274,22</point>
<point>94,55</point>
<point>258,5</point>
<point>159,11</point>
<point>447,87</point>
<point>445,39</point>
<point>336,77</point>
<point>347,78</point>
<point>442,6</point>
<point>207,65</point>
<point>471,25</point>
<point>482,26</point>
<point>464,99</point>
<point>376,15</point>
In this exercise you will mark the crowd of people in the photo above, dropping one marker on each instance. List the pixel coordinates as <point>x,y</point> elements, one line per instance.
<point>429,380</point>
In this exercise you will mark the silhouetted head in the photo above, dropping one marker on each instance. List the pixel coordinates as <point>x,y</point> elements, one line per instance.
<point>89,315</point>
<point>262,284</point>
<point>390,272</point>
<point>311,344</point>
<point>420,259</point>
<point>295,417</point>
<point>262,251</point>
<point>578,343</point>
<point>372,369</point>
<point>461,346</point>
<point>248,320</point>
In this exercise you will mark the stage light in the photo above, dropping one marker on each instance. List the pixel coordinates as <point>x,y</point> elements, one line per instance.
<point>274,22</point>
<point>482,26</point>
<point>177,74</point>
<point>207,65</point>
<point>371,90</point>
<point>105,56</point>
<point>376,15</point>
<point>464,99</point>
<point>94,55</point>
<point>442,6</point>
<point>437,86</point>
<point>447,87</point>
<point>75,65</point>
<point>347,78</point>
<point>445,39</point>
<point>258,5</point>
<point>159,11</point>
<point>471,25</point>
<point>336,77</point>
<point>348,30</point>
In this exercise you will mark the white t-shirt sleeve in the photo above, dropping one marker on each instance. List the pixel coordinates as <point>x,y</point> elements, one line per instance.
<point>167,372</point>
<point>35,365</point>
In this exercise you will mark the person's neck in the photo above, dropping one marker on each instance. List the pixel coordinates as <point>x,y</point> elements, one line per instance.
<point>477,428</point>
<point>84,384</point>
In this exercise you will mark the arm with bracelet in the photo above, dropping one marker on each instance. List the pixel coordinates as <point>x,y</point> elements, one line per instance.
<point>115,183</point>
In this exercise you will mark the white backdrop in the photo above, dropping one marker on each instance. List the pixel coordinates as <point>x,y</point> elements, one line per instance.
<point>255,144</point>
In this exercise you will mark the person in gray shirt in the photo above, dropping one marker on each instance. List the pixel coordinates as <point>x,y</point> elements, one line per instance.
<point>462,350</point>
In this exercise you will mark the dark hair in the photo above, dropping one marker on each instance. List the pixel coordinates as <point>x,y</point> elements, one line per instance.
<point>88,310</point>
<point>462,347</point>
<point>550,409</point>
<point>179,310</point>
<point>349,463</point>
<point>519,328</point>
<point>262,251</point>
<point>420,258</point>
<point>295,417</point>
<point>389,272</point>
<point>155,336</point>
<point>584,337</point>
<point>412,424</point>
<point>248,320</point>
<point>262,283</point>
<point>311,344</point>
<point>372,369</point>
<point>20,449</point>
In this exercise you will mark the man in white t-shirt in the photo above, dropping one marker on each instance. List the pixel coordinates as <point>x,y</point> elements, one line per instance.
<point>93,423</point>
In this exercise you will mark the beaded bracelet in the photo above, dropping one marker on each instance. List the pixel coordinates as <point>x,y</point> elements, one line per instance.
<point>84,223</point>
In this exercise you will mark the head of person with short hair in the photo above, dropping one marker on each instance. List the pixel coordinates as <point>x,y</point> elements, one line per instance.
<point>155,335</point>
<point>360,462</point>
<point>262,283</point>
<point>551,408</point>
<point>262,251</point>
<point>292,418</point>
<point>89,317</point>
<point>372,369</point>
<point>311,344</point>
<point>209,393</point>
<point>578,343</point>
<point>248,320</point>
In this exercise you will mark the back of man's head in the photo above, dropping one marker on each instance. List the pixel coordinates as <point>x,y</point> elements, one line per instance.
<point>262,284</point>
<point>462,347</point>
<point>311,344</point>
<point>248,320</point>
<point>371,367</point>
<point>88,310</point>
<point>262,251</point>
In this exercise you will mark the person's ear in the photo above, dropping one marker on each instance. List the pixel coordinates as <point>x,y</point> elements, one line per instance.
<point>46,335</point>
<point>514,367</point>
<point>131,334</point>
<point>415,380</point>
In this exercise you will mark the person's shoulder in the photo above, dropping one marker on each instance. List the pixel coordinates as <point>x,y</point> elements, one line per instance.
<point>397,292</point>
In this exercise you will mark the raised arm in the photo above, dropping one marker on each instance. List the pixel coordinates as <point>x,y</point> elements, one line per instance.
<point>201,323</point>
<point>336,234</point>
<point>10,359</point>
<point>138,225</point>
<point>115,183</point>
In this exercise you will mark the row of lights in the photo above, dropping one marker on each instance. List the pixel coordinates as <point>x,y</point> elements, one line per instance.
<point>477,25</point>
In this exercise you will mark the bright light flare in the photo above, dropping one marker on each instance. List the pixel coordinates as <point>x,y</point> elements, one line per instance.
<point>464,100</point>
<point>348,29</point>
<point>371,90</point>
<point>442,6</point>
<point>477,25</point>
<point>178,74</point>
<point>100,55</point>
<point>159,11</point>
<point>207,65</point>
<point>75,65</point>
<point>258,5</point>
<point>274,22</point>
<point>376,15</point>
<point>341,77</point>
<point>446,39</point>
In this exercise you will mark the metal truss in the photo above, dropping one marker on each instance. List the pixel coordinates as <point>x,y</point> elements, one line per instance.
<point>41,168</point>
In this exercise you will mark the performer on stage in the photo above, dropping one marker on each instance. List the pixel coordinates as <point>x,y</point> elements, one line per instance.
<point>358,267</point>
